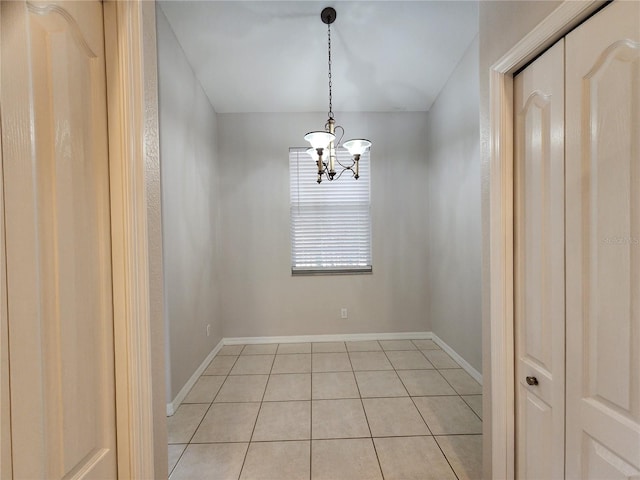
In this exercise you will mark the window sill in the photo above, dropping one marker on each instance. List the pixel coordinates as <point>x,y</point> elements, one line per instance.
<point>331,271</point>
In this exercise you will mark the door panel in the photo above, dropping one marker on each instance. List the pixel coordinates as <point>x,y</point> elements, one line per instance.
<point>539,265</point>
<point>603,245</point>
<point>603,463</point>
<point>58,240</point>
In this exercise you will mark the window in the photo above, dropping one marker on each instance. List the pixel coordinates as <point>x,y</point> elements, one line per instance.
<point>330,222</point>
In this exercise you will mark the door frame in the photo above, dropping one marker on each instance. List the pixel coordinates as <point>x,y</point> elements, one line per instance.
<point>130,55</point>
<point>6,470</point>
<point>501,182</point>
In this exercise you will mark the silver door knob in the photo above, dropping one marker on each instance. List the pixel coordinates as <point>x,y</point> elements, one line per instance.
<point>532,381</point>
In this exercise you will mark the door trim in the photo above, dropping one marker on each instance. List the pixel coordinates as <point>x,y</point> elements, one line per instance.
<point>6,470</point>
<point>133,139</point>
<point>501,313</point>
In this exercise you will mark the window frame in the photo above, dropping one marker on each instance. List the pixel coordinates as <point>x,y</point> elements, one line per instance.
<point>298,159</point>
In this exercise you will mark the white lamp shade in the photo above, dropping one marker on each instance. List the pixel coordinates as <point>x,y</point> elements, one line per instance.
<point>357,146</point>
<point>313,153</point>
<point>319,139</point>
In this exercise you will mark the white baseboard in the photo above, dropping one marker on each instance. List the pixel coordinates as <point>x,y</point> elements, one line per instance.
<point>354,337</point>
<point>344,337</point>
<point>173,406</point>
<point>461,361</point>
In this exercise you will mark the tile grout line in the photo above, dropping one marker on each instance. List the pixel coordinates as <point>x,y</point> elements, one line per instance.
<point>246,454</point>
<point>375,450</point>
<point>177,461</point>
<point>205,413</point>
<point>422,416</point>
<point>445,457</point>
<point>469,405</point>
<point>425,420</point>
<point>294,440</point>
<point>432,434</point>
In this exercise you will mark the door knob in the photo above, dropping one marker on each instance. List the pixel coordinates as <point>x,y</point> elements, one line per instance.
<point>532,381</point>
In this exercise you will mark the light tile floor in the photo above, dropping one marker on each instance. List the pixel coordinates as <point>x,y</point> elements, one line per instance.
<point>395,409</point>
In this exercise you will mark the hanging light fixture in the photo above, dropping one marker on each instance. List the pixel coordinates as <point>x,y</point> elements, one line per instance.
<point>323,142</point>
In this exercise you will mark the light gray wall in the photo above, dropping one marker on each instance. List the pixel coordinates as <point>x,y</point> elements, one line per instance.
<point>501,26</point>
<point>259,296</point>
<point>190,202</point>
<point>454,233</point>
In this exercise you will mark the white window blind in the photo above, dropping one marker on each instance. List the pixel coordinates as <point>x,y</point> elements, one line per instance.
<point>330,222</point>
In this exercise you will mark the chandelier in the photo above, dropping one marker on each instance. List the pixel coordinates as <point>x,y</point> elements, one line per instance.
<point>323,142</point>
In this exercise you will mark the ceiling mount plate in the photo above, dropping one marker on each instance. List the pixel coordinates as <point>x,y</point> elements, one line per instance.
<point>328,15</point>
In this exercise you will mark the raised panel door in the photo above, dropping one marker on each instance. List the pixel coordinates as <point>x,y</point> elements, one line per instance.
<point>603,245</point>
<point>539,266</point>
<point>56,183</point>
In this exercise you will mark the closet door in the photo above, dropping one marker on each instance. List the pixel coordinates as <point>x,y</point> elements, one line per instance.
<point>603,245</point>
<point>539,266</point>
<point>58,240</point>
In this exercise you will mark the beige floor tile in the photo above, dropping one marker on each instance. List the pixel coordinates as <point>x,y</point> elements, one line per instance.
<point>283,421</point>
<point>253,365</point>
<point>231,350</point>
<point>369,361</point>
<point>204,390</point>
<point>364,346</point>
<point>462,382</point>
<point>411,360</point>
<point>173,456</point>
<point>475,402</point>
<point>210,462</point>
<point>242,388</point>
<point>293,363</point>
<point>412,458</point>
<point>221,365</point>
<point>448,415</point>
<point>397,345</point>
<point>333,385</point>
<point>182,424</point>
<point>261,349</point>
<point>277,460</point>
<point>351,459</point>
<point>426,344</point>
<point>391,417</point>
<point>338,419</point>
<point>228,422</point>
<point>294,348</point>
<point>328,347</point>
<point>464,453</point>
<point>440,359</point>
<point>425,382</point>
<point>380,384</point>
<point>330,362</point>
<point>290,386</point>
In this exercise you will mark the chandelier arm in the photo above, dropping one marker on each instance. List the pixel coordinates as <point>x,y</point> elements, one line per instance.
<point>344,167</point>
<point>343,170</point>
<point>339,142</point>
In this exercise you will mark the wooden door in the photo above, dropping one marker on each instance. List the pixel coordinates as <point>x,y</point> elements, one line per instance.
<point>603,245</point>
<point>539,266</point>
<point>58,251</point>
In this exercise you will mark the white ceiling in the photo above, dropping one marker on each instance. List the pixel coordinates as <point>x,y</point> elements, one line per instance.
<point>266,56</point>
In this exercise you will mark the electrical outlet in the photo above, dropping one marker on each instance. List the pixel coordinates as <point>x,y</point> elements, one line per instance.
<point>343,313</point>
<point>208,330</point>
